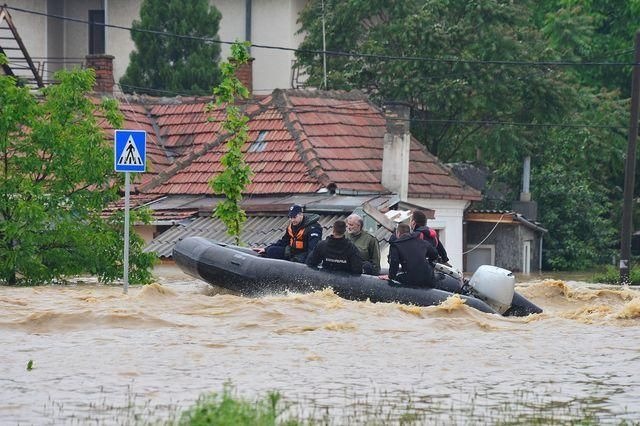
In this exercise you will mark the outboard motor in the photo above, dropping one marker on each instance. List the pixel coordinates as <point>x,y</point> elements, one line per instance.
<point>495,286</point>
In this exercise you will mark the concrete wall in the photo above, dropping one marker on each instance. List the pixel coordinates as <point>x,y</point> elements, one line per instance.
<point>118,43</point>
<point>147,232</point>
<point>508,240</point>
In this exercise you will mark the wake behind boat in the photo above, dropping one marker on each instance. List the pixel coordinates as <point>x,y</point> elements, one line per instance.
<point>242,271</point>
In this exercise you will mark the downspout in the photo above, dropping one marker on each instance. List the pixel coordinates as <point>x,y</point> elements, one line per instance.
<point>247,22</point>
<point>540,256</point>
<point>105,7</point>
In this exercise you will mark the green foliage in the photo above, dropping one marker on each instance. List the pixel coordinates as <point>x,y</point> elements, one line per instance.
<point>611,275</point>
<point>56,177</point>
<point>30,365</point>
<point>593,31</point>
<point>236,175</point>
<point>453,100</point>
<point>442,93</point>
<point>228,409</point>
<point>171,63</point>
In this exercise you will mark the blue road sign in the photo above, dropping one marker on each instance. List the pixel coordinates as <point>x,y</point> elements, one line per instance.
<point>130,150</point>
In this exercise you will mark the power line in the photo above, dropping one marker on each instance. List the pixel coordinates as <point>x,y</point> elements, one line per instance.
<point>333,52</point>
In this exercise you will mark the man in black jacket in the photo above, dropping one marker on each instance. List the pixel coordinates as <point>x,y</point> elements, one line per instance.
<point>419,226</point>
<point>336,253</point>
<point>414,255</point>
<point>301,237</point>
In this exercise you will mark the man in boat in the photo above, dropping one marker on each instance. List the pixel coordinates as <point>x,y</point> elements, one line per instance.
<point>366,243</point>
<point>414,255</point>
<point>418,224</point>
<point>301,237</point>
<point>336,252</point>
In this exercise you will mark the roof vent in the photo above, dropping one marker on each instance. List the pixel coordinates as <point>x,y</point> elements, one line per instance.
<point>259,144</point>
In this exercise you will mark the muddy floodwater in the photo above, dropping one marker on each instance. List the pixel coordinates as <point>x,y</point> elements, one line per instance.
<point>102,357</point>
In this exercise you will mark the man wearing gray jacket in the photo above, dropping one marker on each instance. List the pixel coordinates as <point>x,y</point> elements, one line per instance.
<point>366,243</point>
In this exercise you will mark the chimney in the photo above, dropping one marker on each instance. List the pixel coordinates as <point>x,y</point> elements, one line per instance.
<point>526,207</point>
<point>103,66</point>
<point>395,156</point>
<point>245,74</point>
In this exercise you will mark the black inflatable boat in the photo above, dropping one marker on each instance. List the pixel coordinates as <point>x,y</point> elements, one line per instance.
<point>242,271</point>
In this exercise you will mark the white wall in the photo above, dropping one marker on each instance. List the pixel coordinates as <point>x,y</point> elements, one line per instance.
<point>448,220</point>
<point>232,24</point>
<point>118,43</point>
<point>76,34</point>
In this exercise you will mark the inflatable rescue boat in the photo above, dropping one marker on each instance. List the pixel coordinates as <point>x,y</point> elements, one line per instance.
<point>490,289</point>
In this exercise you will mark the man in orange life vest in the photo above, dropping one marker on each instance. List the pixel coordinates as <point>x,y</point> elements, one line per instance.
<point>301,237</point>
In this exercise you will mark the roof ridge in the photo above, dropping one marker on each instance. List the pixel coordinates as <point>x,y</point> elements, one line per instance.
<point>195,154</point>
<point>304,147</point>
<point>144,99</point>
<point>351,95</point>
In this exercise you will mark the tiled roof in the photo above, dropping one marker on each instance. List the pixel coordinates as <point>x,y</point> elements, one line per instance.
<point>299,142</point>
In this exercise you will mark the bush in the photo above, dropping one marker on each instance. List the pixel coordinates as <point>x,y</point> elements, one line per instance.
<point>611,275</point>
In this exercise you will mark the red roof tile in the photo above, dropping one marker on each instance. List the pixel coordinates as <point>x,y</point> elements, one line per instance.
<point>299,142</point>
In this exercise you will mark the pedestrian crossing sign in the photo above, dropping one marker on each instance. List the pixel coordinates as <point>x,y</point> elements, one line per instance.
<point>130,150</point>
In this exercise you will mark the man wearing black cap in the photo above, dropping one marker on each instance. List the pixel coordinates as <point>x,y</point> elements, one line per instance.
<point>301,237</point>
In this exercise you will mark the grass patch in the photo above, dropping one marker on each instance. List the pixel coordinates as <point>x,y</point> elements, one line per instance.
<point>226,408</point>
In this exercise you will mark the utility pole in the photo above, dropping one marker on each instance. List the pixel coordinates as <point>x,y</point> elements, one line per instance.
<point>630,170</point>
<point>324,50</point>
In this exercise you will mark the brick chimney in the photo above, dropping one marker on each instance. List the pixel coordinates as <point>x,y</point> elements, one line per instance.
<point>245,74</point>
<point>103,66</point>
<point>395,156</point>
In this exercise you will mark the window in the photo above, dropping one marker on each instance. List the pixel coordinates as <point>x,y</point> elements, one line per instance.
<point>96,31</point>
<point>259,144</point>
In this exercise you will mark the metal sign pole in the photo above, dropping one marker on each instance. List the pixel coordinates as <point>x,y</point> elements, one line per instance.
<point>129,155</point>
<point>126,232</point>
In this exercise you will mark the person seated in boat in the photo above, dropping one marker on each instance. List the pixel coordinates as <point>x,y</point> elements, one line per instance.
<point>366,243</point>
<point>302,235</point>
<point>418,224</point>
<point>413,255</point>
<point>336,252</point>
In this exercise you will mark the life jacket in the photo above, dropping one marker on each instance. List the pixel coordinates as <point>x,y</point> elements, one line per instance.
<point>433,235</point>
<point>296,241</point>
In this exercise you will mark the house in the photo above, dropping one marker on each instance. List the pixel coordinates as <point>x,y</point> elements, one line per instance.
<point>334,152</point>
<point>511,239</point>
<point>61,33</point>
<point>331,151</point>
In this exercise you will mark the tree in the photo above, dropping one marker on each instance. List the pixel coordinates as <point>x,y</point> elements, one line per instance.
<point>56,178</point>
<point>236,174</point>
<point>471,92</point>
<point>593,31</point>
<point>461,87</point>
<point>174,64</point>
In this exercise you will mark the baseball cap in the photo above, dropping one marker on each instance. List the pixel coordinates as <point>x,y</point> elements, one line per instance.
<point>295,210</point>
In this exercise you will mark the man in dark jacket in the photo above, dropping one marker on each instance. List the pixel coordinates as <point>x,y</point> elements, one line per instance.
<point>414,255</point>
<point>419,226</point>
<point>336,253</point>
<point>301,237</point>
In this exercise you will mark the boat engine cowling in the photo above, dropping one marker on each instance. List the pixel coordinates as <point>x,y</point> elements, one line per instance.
<point>496,286</point>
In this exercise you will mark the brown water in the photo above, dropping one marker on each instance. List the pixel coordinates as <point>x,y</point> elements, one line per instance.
<point>98,353</point>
